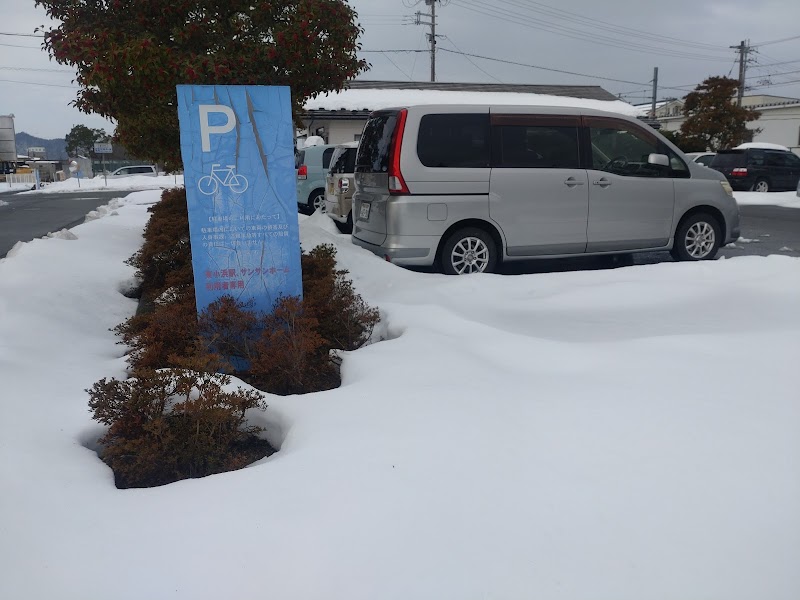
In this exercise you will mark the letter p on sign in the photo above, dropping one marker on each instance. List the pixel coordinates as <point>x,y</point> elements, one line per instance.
<point>206,129</point>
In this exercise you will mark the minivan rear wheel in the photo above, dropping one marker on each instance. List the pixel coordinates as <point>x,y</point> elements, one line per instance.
<point>469,250</point>
<point>698,237</point>
<point>316,200</point>
<point>761,185</point>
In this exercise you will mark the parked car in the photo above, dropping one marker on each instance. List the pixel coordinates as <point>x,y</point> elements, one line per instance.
<point>761,169</point>
<point>312,164</point>
<point>701,158</point>
<point>467,187</point>
<point>340,188</point>
<point>132,170</point>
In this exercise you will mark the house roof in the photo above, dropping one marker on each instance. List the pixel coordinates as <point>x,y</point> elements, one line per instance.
<point>593,92</point>
<point>361,97</point>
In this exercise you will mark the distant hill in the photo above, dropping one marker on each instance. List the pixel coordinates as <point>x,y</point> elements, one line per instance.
<point>56,149</point>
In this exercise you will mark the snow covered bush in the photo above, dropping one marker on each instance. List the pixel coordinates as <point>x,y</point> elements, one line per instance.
<point>169,425</point>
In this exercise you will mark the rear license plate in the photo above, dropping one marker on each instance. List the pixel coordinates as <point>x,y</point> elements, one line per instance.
<point>363,213</point>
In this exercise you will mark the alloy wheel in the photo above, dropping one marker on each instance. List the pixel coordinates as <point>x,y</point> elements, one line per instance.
<point>700,239</point>
<point>469,255</point>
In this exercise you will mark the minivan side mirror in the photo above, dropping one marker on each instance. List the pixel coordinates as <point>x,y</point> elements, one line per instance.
<point>662,160</point>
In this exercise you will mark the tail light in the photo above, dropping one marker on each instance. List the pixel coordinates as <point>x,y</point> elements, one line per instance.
<point>344,185</point>
<point>397,184</point>
<point>302,172</point>
<point>739,172</point>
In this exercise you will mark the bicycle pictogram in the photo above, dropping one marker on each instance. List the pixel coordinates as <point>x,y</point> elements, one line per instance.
<point>224,177</point>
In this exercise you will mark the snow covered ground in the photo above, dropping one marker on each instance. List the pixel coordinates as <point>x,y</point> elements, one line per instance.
<point>625,434</point>
<point>787,199</point>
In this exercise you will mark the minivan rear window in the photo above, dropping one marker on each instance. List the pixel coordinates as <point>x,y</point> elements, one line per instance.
<point>454,141</point>
<point>376,142</point>
<point>729,160</point>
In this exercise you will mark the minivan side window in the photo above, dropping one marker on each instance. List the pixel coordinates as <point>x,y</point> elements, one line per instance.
<point>535,146</point>
<point>454,141</point>
<point>622,148</point>
<point>326,157</point>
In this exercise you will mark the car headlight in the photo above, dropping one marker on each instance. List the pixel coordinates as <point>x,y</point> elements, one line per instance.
<point>727,187</point>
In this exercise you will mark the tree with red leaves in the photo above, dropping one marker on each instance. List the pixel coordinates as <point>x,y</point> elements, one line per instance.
<point>713,120</point>
<point>130,55</point>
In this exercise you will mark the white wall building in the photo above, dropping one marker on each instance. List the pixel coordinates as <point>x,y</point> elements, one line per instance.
<point>779,121</point>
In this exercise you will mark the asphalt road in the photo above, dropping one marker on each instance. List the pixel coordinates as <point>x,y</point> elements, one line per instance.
<point>29,216</point>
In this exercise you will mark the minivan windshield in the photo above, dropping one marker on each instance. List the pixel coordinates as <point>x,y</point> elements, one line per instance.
<point>729,159</point>
<point>376,142</point>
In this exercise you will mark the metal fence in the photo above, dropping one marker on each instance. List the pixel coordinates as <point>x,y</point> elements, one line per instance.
<point>29,178</point>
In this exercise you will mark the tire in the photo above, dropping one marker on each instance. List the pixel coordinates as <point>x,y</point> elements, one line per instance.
<point>345,227</point>
<point>316,200</point>
<point>698,237</point>
<point>207,185</point>
<point>761,185</point>
<point>469,250</point>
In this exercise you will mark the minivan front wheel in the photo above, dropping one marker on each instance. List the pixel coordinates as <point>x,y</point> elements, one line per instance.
<point>467,251</point>
<point>762,185</point>
<point>697,238</point>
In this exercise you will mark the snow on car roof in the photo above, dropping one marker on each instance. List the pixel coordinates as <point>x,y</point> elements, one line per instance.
<point>376,99</point>
<point>762,146</point>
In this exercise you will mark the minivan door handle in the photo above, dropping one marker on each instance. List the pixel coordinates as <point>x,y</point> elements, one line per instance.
<point>572,182</point>
<point>603,182</point>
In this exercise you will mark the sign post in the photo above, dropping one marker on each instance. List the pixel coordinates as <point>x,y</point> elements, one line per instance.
<point>103,148</point>
<point>237,144</point>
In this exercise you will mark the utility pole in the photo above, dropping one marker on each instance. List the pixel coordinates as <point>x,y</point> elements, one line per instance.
<point>743,49</point>
<point>432,34</point>
<point>655,92</point>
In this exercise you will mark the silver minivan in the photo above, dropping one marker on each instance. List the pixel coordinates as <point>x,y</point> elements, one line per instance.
<point>467,187</point>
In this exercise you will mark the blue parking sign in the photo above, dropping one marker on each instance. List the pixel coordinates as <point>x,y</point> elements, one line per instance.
<point>237,144</point>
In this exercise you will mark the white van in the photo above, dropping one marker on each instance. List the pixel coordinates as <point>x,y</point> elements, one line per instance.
<point>467,187</point>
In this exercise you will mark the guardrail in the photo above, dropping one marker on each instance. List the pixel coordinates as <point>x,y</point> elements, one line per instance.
<point>29,178</point>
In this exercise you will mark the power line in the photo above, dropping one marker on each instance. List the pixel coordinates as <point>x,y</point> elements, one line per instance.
<point>511,62</point>
<point>787,39</point>
<point>532,23</point>
<point>611,27</point>
<point>36,35</point>
<point>471,61</point>
<point>72,87</point>
<point>18,46</point>
<point>35,69</point>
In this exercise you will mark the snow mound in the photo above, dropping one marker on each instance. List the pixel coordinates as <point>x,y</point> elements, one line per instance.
<point>314,140</point>
<point>3,203</point>
<point>64,234</point>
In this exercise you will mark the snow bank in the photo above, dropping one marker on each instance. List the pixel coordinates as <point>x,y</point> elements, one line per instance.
<point>135,182</point>
<point>787,199</point>
<point>366,99</point>
<point>626,434</point>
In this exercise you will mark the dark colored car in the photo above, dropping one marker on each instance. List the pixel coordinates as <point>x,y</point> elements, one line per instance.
<point>758,169</point>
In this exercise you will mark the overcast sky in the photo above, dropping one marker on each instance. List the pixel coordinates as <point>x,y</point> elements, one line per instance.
<point>688,40</point>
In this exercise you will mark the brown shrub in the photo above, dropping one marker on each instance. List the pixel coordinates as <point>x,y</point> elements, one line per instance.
<point>169,425</point>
